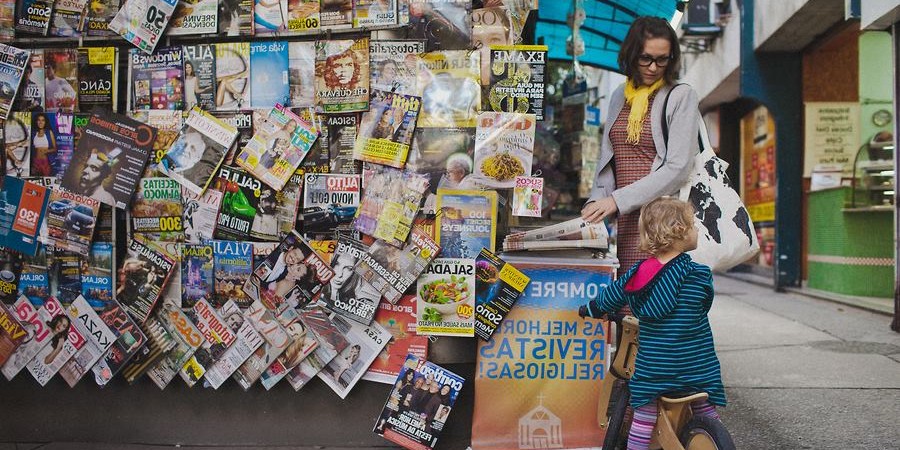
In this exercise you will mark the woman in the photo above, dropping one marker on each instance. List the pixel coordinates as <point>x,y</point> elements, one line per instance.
<point>191,85</point>
<point>349,366</point>
<point>636,165</point>
<point>59,325</point>
<point>301,345</point>
<point>43,143</point>
<point>295,273</point>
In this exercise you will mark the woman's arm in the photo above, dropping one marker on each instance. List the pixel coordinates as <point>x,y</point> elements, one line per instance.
<point>52,355</point>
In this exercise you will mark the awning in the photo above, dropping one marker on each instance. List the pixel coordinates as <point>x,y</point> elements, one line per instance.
<point>603,30</point>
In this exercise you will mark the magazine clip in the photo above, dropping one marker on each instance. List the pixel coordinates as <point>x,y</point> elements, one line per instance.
<point>476,48</point>
<point>536,174</point>
<point>432,339</point>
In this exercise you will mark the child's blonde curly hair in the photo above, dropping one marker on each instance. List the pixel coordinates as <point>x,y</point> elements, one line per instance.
<point>663,223</point>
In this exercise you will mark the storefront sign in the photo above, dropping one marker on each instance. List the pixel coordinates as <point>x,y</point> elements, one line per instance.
<point>831,136</point>
<point>758,168</point>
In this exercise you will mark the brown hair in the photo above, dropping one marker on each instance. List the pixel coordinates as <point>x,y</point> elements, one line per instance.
<point>644,28</point>
<point>663,223</point>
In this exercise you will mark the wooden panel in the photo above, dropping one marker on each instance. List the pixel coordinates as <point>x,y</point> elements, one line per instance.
<point>831,67</point>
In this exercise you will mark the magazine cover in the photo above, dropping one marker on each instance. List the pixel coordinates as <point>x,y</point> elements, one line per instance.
<point>243,199</point>
<point>339,137</point>
<point>97,275</point>
<point>196,274</point>
<point>60,80</point>
<point>143,275</point>
<point>243,121</point>
<point>67,17</point>
<point>233,262</point>
<point>232,76</point>
<point>22,208</point>
<point>159,343</point>
<point>30,96</point>
<point>99,338</point>
<point>527,194</point>
<point>14,65</point>
<point>12,333</point>
<point>194,17</point>
<point>391,270</point>
<point>386,129</point>
<point>200,76</point>
<point>236,17</point>
<point>497,287</point>
<point>279,144</point>
<point>157,80</point>
<point>336,14</point>
<point>417,407</point>
<point>142,23</point>
<point>65,143</point>
<point>34,281</point>
<point>303,342</point>
<point>391,201</point>
<point>7,20</point>
<point>199,215</point>
<point>293,275</point>
<point>329,333</point>
<point>329,200</point>
<point>17,143</point>
<point>99,14</point>
<point>445,156</point>
<point>287,205</point>
<point>168,124</point>
<point>275,341</point>
<point>248,340</point>
<point>400,320</point>
<point>70,221</point>
<point>302,15</point>
<point>450,83</point>
<point>347,293</point>
<point>342,75</point>
<point>346,369</point>
<point>198,152</point>
<point>517,79</point>
<point>504,148</point>
<point>37,323</point>
<point>302,77</point>
<point>445,301</point>
<point>269,16</point>
<point>172,250</point>
<point>466,222</point>
<point>44,144</point>
<point>444,24</point>
<point>64,274</point>
<point>374,13</point>
<point>218,337</point>
<point>65,341</point>
<point>33,16</point>
<point>10,270</point>
<point>129,339</point>
<point>395,65</point>
<point>109,159</point>
<point>187,339</point>
<point>156,212</point>
<point>490,26</point>
<point>269,85</point>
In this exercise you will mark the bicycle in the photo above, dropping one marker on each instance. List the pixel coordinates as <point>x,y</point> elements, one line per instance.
<point>676,427</point>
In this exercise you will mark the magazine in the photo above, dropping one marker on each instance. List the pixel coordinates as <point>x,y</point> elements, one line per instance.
<point>232,76</point>
<point>491,26</point>
<point>199,150</point>
<point>329,200</point>
<point>70,221</point>
<point>34,281</point>
<point>65,341</point>
<point>392,198</point>
<point>99,338</point>
<point>200,76</point>
<point>346,369</point>
<point>30,96</point>
<point>97,276</point>
<point>156,81</point>
<point>497,287</point>
<point>287,204</point>
<point>10,271</point>
<point>248,340</point>
<point>444,24</point>
<point>168,124</point>
<point>293,275</point>
<point>394,65</point>
<point>194,17</point>
<point>445,304</point>
<point>400,320</point>
<point>279,144</point>
<point>339,138</point>
<point>159,343</point>
<point>199,214</point>
<point>218,337</point>
<point>17,137</point>
<point>97,73</point>
<point>275,341</point>
<point>130,338</point>
<point>302,63</point>
<point>104,229</point>
<point>342,75</point>
<point>504,148</point>
<point>156,213</point>
<point>187,340</point>
<point>12,333</point>
<point>33,16</point>
<point>109,159</point>
<point>527,194</point>
<point>336,14</point>
<point>144,275</point>
<point>64,274</point>
<point>196,274</point>
<point>517,79</point>
<point>243,199</point>
<point>466,222</point>
<point>445,156</point>
<point>450,86</point>
<point>44,141</point>
<point>67,17</point>
<point>269,16</point>
<point>374,13</point>
<point>329,333</point>
<point>99,14</point>
<point>233,262</point>
<point>391,270</point>
<point>243,121</point>
<point>302,15</point>
<point>417,407</point>
<point>236,18</point>
<point>347,293</point>
<point>386,129</point>
<point>269,85</point>
<point>65,142</point>
<point>14,64</point>
<point>36,322</point>
<point>143,23</point>
<point>22,208</point>
<point>303,342</point>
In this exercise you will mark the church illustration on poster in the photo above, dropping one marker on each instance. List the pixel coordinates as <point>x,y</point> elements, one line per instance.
<point>540,428</point>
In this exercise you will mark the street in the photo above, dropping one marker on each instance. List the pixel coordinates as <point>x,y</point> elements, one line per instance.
<point>805,373</point>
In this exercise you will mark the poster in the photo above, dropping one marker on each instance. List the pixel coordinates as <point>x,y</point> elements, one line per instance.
<point>832,135</point>
<point>758,164</point>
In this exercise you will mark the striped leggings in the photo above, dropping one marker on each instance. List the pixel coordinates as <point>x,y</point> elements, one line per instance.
<point>645,419</point>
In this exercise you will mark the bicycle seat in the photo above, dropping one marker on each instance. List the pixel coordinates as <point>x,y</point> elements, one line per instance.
<point>674,398</point>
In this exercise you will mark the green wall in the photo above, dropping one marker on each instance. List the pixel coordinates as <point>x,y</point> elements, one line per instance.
<point>875,78</point>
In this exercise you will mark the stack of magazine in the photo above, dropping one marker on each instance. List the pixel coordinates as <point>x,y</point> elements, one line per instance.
<point>575,233</point>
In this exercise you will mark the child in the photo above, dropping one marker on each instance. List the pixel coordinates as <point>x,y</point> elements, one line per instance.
<point>670,295</point>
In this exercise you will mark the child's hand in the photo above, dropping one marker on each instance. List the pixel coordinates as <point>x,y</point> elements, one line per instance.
<point>582,311</point>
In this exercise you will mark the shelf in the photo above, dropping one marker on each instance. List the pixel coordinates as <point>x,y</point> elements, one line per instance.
<point>875,165</point>
<point>861,209</point>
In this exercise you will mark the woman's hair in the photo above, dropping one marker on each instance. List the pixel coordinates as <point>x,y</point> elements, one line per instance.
<point>663,223</point>
<point>644,28</point>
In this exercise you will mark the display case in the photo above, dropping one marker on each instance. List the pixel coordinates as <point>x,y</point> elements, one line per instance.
<point>873,174</point>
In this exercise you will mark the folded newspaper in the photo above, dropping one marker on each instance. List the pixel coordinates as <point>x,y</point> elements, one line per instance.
<point>575,233</point>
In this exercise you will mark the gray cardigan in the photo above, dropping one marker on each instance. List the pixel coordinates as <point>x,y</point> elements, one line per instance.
<point>683,117</point>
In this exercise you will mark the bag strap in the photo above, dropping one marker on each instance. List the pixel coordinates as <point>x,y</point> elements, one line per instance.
<point>665,126</point>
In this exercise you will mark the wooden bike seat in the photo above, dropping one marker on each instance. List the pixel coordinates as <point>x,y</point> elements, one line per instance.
<point>675,399</point>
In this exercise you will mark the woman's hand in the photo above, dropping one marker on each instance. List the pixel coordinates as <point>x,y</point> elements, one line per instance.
<point>598,210</point>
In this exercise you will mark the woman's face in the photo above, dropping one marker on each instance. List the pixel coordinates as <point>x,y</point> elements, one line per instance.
<point>297,270</point>
<point>189,69</point>
<point>343,270</point>
<point>41,122</point>
<point>654,48</point>
<point>354,353</point>
<point>445,390</point>
<point>61,326</point>
<point>296,330</point>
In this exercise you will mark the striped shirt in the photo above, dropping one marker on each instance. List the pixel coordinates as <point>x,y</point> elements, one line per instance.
<point>676,351</point>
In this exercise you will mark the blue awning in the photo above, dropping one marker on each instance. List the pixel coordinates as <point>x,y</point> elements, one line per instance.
<point>603,30</point>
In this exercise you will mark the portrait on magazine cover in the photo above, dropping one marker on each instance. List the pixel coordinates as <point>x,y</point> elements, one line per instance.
<point>193,155</point>
<point>290,276</point>
<point>343,70</point>
<point>93,173</point>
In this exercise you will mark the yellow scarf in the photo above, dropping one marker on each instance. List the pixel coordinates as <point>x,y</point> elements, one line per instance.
<point>639,99</point>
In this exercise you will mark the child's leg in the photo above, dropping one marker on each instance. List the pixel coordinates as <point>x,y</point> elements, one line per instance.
<point>704,408</point>
<point>642,427</point>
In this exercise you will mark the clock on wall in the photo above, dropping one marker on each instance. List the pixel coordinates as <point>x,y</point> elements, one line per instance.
<point>881,117</point>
